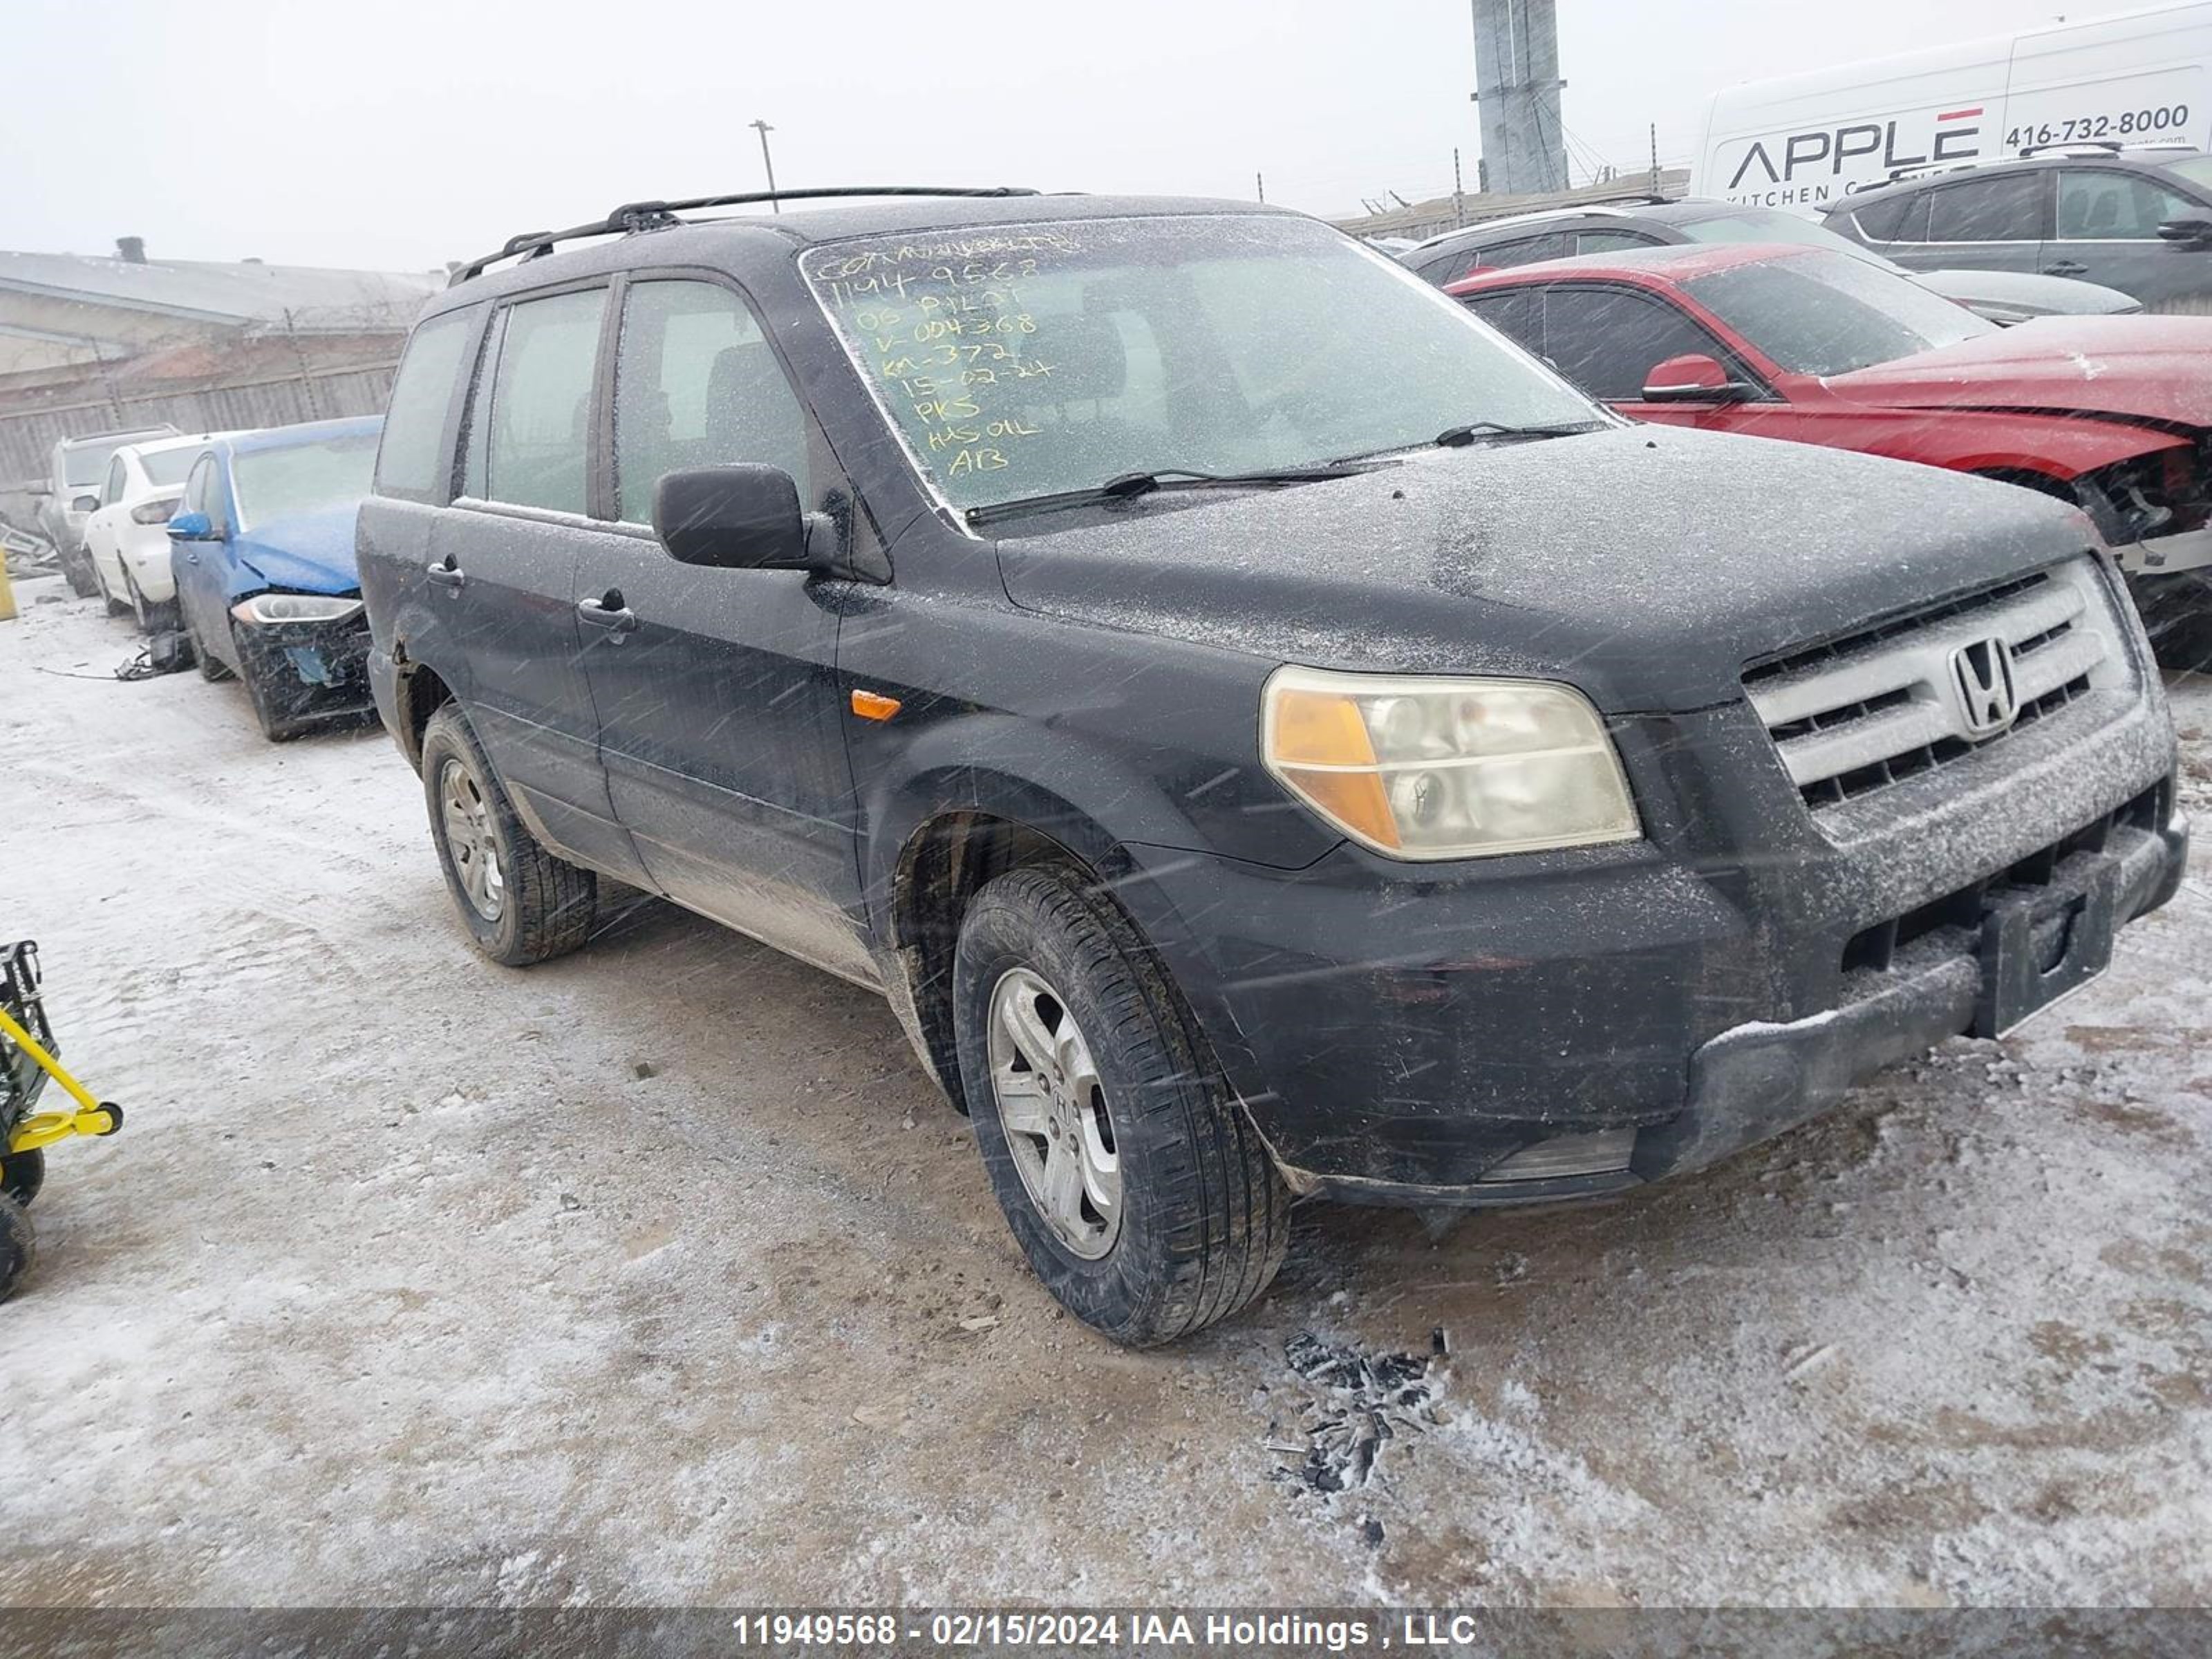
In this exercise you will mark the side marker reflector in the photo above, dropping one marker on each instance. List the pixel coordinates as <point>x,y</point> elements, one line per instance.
<point>874,705</point>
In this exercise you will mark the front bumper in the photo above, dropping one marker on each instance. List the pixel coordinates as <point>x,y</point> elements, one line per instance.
<point>1561,1025</point>
<point>311,670</point>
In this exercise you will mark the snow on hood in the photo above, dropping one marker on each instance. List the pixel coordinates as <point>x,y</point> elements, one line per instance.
<point>2157,368</point>
<point>308,552</point>
<point>1646,564</point>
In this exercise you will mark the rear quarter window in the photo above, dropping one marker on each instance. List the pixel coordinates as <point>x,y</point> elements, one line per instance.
<point>410,462</point>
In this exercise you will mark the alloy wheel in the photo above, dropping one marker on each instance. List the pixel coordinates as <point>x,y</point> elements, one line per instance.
<point>470,842</point>
<point>1052,1108</point>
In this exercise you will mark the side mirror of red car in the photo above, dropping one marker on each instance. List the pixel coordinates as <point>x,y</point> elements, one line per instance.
<point>1694,378</point>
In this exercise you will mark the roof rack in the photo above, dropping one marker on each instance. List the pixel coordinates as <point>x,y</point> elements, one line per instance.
<point>2075,147</point>
<point>632,216</point>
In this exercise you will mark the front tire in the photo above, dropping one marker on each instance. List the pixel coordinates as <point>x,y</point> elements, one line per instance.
<point>22,1175</point>
<point>1130,1177</point>
<point>18,1245</point>
<point>83,581</point>
<point>211,667</point>
<point>520,903</point>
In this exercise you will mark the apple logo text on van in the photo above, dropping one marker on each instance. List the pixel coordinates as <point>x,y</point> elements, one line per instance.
<point>1809,166</point>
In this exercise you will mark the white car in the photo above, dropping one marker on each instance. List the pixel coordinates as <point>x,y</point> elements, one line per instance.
<point>127,538</point>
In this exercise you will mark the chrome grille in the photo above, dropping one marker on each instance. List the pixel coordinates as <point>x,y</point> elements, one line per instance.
<point>1870,709</point>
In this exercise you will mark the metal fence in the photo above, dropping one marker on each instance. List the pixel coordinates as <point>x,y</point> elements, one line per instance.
<point>28,437</point>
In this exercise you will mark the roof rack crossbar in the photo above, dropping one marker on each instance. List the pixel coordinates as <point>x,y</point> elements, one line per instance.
<point>633,216</point>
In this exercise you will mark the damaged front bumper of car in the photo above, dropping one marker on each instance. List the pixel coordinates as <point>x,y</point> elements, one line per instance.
<point>1580,1022</point>
<point>308,651</point>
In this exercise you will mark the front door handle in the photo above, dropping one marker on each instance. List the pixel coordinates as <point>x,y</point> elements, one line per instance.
<point>447,575</point>
<point>2066,268</point>
<point>608,611</point>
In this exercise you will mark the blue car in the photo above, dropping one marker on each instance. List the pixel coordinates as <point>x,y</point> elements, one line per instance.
<point>262,546</point>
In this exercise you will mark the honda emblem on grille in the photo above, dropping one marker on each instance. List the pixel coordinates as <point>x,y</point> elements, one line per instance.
<point>1981,674</point>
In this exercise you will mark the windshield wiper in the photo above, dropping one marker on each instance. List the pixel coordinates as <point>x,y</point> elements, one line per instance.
<point>1127,486</point>
<point>1453,437</point>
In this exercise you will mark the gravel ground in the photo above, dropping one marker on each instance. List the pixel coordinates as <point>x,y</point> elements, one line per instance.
<point>661,1274</point>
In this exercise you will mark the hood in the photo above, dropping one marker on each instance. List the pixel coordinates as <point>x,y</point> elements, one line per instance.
<point>306,552</point>
<point>1646,564</point>
<point>2150,369</point>
<point>2027,293</point>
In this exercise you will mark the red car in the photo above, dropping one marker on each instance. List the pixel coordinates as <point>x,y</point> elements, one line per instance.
<point>2114,413</point>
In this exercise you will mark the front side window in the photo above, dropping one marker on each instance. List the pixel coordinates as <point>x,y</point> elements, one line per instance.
<point>302,478</point>
<point>1608,340</point>
<point>411,461</point>
<point>2004,208</point>
<point>537,434</point>
<point>1030,360</point>
<point>2115,207</point>
<point>204,493</point>
<point>1829,314</point>
<point>697,384</point>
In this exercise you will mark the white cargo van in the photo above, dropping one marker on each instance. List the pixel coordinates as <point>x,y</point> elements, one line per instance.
<point>2142,77</point>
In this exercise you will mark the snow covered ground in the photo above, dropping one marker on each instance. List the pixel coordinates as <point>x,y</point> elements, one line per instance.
<point>659,1274</point>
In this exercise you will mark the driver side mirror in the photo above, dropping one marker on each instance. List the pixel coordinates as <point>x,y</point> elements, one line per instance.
<point>2194,232</point>
<point>1694,378</point>
<point>85,504</point>
<point>192,527</point>
<point>740,517</point>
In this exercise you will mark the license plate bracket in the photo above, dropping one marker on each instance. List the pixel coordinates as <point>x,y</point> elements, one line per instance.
<point>2038,946</point>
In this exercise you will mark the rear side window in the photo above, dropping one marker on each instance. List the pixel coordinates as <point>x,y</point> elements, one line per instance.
<point>1607,341</point>
<point>2115,207</point>
<point>1516,312</point>
<point>2006,208</point>
<point>1611,242</point>
<point>1448,267</point>
<point>410,463</point>
<point>697,384</point>
<point>1528,250</point>
<point>538,437</point>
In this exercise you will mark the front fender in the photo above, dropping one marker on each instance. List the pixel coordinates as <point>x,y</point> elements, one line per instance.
<point>1059,783</point>
<point>1987,442</point>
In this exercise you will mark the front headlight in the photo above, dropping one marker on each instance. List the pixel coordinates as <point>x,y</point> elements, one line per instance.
<point>268,609</point>
<point>1421,768</point>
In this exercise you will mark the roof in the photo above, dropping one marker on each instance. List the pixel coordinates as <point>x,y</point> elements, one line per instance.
<point>2149,158</point>
<point>1675,262</point>
<point>290,437</point>
<point>247,292</point>
<point>756,235</point>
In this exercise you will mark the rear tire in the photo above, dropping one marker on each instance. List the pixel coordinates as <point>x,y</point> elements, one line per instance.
<point>1198,1220</point>
<point>520,903</point>
<point>19,1247</point>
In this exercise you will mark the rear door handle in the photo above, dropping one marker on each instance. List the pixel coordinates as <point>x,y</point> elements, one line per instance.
<point>608,611</point>
<point>2066,268</point>
<point>447,575</point>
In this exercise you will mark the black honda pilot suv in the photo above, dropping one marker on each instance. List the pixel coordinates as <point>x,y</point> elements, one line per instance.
<point>1267,736</point>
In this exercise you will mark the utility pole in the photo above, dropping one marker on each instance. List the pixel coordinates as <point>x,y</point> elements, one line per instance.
<point>1260,182</point>
<point>1655,159</point>
<point>1459,194</point>
<point>768,161</point>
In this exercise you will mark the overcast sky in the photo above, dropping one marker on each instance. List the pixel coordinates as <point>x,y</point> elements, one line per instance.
<point>398,134</point>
